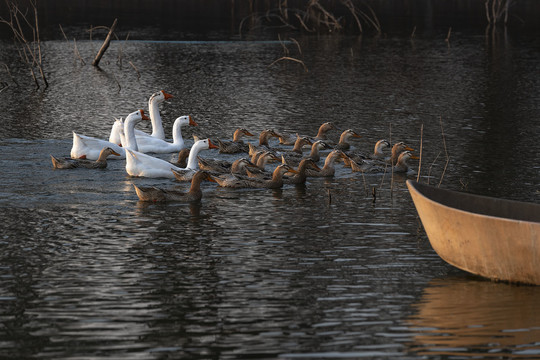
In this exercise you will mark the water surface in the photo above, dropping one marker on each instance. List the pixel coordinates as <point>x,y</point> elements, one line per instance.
<point>321,271</point>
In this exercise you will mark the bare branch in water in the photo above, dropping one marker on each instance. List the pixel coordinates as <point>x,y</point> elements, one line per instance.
<point>290,59</point>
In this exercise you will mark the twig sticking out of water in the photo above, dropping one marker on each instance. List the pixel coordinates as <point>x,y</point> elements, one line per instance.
<point>63,33</point>
<point>29,50</point>
<point>105,45</point>
<point>76,50</point>
<point>11,76</point>
<point>445,151</point>
<point>134,67</point>
<point>448,35</point>
<point>291,59</point>
<point>421,148</point>
<point>413,32</point>
<point>374,194</point>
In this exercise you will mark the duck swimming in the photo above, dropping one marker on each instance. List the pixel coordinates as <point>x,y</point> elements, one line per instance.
<point>182,158</point>
<point>401,165</point>
<point>294,156</point>
<point>301,176</point>
<point>343,143</point>
<point>150,144</point>
<point>85,147</point>
<point>276,182</point>
<point>236,145</point>
<point>100,163</point>
<point>157,194</point>
<point>143,165</point>
<point>328,169</point>
<point>397,149</point>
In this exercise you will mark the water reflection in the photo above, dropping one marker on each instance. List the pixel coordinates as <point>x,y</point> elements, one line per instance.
<point>468,317</point>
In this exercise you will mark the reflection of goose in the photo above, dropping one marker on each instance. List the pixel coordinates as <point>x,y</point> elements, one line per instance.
<point>154,145</point>
<point>139,164</point>
<point>86,147</point>
<point>466,317</point>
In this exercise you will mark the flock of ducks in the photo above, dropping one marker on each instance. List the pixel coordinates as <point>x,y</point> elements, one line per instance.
<point>250,170</point>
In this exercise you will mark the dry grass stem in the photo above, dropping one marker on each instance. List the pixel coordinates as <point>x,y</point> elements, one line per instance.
<point>421,148</point>
<point>134,67</point>
<point>290,59</point>
<point>445,152</point>
<point>77,53</point>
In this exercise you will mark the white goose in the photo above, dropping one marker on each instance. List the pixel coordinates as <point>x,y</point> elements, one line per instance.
<point>86,147</point>
<point>151,144</point>
<point>153,107</point>
<point>139,164</point>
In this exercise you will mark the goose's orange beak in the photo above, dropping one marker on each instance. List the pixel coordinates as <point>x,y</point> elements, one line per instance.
<point>115,153</point>
<point>408,148</point>
<point>415,157</point>
<point>210,178</point>
<point>192,122</point>
<point>212,146</point>
<point>166,95</point>
<point>144,117</point>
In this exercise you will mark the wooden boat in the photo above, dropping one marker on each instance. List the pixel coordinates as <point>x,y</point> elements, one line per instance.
<point>495,238</point>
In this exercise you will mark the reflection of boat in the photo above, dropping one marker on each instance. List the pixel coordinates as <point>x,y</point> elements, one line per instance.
<point>462,317</point>
<point>495,238</point>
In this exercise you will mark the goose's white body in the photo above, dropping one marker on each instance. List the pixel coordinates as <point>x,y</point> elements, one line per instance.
<point>143,165</point>
<point>149,144</point>
<point>86,147</point>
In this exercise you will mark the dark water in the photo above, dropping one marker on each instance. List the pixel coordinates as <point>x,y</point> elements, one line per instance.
<point>321,271</point>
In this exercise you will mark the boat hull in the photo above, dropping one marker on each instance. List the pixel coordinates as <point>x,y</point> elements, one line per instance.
<point>495,238</point>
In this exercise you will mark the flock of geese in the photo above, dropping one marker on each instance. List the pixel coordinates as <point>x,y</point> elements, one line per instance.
<point>293,164</point>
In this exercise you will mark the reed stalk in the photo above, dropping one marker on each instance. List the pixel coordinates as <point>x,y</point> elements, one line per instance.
<point>421,148</point>
<point>29,50</point>
<point>445,152</point>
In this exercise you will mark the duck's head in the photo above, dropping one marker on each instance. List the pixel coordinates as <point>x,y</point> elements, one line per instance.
<point>244,132</point>
<point>327,126</point>
<point>284,168</point>
<point>108,151</point>
<point>405,156</point>
<point>381,144</point>
<point>399,147</point>
<point>303,140</point>
<point>321,145</point>
<point>349,133</point>
<point>201,175</point>
<point>309,164</point>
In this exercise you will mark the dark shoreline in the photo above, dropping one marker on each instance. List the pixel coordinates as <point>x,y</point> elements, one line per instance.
<point>178,19</point>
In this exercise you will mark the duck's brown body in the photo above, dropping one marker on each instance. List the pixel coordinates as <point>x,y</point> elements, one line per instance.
<point>100,163</point>
<point>158,194</point>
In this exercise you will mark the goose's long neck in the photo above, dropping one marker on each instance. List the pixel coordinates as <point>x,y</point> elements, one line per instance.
<point>155,117</point>
<point>177,133</point>
<point>192,163</point>
<point>129,134</point>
